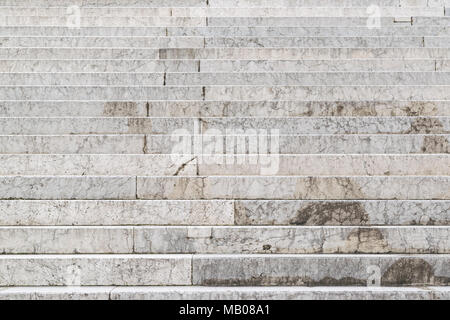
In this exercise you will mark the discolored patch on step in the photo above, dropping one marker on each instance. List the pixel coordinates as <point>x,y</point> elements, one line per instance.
<point>331,213</point>
<point>435,144</point>
<point>419,108</point>
<point>426,125</point>
<point>366,240</point>
<point>121,109</point>
<point>267,280</point>
<point>412,271</point>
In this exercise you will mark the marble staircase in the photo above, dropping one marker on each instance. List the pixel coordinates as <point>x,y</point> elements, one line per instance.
<point>225,149</point>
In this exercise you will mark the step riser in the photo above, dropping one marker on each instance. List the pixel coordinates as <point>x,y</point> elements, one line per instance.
<point>163,144</point>
<point>224,66</point>
<point>223,109</point>
<point>227,93</point>
<point>291,188</point>
<point>223,293</point>
<point>216,127</point>
<point>228,240</point>
<point>294,53</point>
<point>181,79</point>
<point>95,270</point>
<point>230,270</point>
<point>229,12</point>
<point>162,165</point>
<point>218,212</point>
<point>235,31</point>
<point>320,270</point>
<point>230,42</point>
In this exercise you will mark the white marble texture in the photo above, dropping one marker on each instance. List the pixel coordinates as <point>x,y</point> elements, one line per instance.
<point>292,188</point>
<point>115,212</point>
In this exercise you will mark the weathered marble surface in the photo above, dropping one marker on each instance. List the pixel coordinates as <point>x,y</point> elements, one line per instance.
<point>307,42</point>
<point>368,65</point>
<point>284,108</point>
<point>291,188</point>
<point>113,165</point>
<point>285,240</point>
<point>118,65</point>
<point>94,270</point>
<point>55,293</point>
<point>330,125</point>
<point>303,53</point>
<point>329,144</point>
<point>104,213</point>
<point>131,21</point>
<point>437,42</point>
<point>306,12</point>
<point>311,21</point>
<point>55,240</point>
<point>78,53</point>
<point>275,78</point>
<point>281,31</point>
<point>114,42</point>
<point>318,165</point>
<point>68,187</point>
<point>109,144</point>
<point>209,126</point>
<point>320,270</point>
<point>345,213</point>
<point>101,93</point>
<point>109,3</point>
<point>222,293</point>
<point>80,79</point>
<point>271,293</point>
<point>324,3</point>
<point>73,108</point>
<point>103,125</point>
<point>322,93</point>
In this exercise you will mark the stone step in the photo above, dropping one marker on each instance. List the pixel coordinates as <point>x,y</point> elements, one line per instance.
<point>223,109</point>
<point>225,53</point>
<point>314,93</point>
<point>229,270</point>
<point>96,144</point>
<point>225,11</point>
<point>349,65</point>
<point>216,127</point>
<point>150,42</point>
<point>252,188</point>
<point>396,30</point>
<point>224,212</point>
<point>78,53</point>
<point>96,269</point>
<point>223,293</point>
<point>324,21</point>
<point>162,165</point>
<point>227,3</point>
<point>224,240</point>
<point>138,21</point>
<point>68,187</point>
<point>279,53</point>
<point>340,213</point>
<point>300,144</point>
<point>226,42</point>
<point>281,240</point>
<point>117,93</point>
<point>320,270</point>
<point>136,66</point>
<point>228,93</point>
<point>122,3</point>
<point>141,65</point>
<point>132,21</point>
<point>250,78</point>
<point>224,187</point>
<point>246,108</point>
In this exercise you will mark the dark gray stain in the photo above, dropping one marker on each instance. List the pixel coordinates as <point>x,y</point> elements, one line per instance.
<point>331,213</point>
